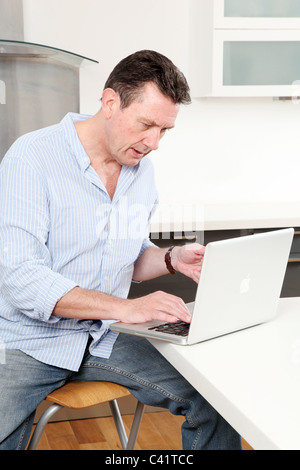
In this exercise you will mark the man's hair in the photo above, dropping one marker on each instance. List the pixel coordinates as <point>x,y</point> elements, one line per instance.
<point>130,76</point>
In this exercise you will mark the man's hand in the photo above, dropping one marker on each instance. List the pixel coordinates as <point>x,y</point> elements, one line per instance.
<point>157,306</point>
<point>188,260</point>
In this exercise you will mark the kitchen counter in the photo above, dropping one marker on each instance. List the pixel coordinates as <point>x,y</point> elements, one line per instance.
<point>190,216</point>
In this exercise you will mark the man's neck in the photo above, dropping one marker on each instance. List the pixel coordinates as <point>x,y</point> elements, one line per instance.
<point>91,137</point>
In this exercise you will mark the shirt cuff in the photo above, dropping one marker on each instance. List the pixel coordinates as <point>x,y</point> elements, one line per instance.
<point>50,293</point>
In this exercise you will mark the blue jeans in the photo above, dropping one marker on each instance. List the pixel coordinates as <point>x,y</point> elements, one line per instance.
<point>134,363</point>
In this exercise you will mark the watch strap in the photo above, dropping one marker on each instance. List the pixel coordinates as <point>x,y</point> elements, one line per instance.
<point>168,260</point>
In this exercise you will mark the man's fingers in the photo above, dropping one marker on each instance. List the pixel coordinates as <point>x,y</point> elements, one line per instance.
<point>156,306</point>
<point>175,307</point>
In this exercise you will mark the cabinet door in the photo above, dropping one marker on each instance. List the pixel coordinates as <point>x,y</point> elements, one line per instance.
<point>256,63</point>
<point>257,14</point>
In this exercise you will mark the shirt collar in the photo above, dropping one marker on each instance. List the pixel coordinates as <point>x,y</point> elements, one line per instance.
<point>76,146</point>
<point>73,139</point>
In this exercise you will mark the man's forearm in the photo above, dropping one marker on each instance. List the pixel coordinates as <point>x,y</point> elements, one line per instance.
<point>150,264</point>
<point>90,305</point>
<point>86,304</point>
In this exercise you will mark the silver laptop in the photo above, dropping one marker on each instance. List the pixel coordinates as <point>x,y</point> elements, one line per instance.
<point>239,287</point>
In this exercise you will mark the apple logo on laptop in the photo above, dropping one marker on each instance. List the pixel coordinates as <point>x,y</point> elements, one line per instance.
<point>245,285</point>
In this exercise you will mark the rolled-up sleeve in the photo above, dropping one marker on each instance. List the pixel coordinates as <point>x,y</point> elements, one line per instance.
<point>27,280</point>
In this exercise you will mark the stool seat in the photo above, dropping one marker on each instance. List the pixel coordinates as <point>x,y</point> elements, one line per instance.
<point>77,395</point>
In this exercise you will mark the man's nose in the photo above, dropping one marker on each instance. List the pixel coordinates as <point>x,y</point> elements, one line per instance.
<point>152,139</point>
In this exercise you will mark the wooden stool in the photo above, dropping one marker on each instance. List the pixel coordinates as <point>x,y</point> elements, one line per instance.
<point>77,395</point>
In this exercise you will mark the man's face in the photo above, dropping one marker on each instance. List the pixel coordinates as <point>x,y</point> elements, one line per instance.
<point>133,132</point>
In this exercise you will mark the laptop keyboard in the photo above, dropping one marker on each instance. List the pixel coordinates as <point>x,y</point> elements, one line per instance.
<point>180,328</point>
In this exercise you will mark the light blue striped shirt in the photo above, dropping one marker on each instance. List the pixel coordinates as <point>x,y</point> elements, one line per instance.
<point>59,229</point>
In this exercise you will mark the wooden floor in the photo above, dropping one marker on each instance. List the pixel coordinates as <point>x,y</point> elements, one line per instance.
<point>159,431</point>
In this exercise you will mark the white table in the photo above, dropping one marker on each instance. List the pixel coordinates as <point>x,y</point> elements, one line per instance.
<point>251,377</point>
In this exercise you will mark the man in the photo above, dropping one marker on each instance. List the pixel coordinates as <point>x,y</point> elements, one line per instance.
<point>76,200</point>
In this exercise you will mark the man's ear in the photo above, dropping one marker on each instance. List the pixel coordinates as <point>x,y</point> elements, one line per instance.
<point>110,99</point>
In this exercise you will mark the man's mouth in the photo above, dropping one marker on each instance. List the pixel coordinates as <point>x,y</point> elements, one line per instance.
<point>136,153</point>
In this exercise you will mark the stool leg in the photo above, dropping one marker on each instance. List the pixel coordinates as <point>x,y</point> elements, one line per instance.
<point>127,443</point>
<point>119,423</point>
<point>34,441</point>
<point>135,425</point>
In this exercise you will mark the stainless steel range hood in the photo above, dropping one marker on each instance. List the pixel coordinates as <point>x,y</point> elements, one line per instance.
<point>11,20</point>
<point>38,84</point>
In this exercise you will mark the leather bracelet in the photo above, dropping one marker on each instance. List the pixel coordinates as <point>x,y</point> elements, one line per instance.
<point>168,261</point>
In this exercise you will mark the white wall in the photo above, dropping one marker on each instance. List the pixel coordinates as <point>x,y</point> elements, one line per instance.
<point>221,150</point>
<point>235,150</point>
<point>107,31</point>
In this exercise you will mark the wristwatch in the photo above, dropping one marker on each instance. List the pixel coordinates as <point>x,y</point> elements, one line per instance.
<point>168,261</point>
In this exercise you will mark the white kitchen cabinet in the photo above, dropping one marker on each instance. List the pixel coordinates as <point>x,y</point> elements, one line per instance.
<point>257,14</point>
<point>241,56</point>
